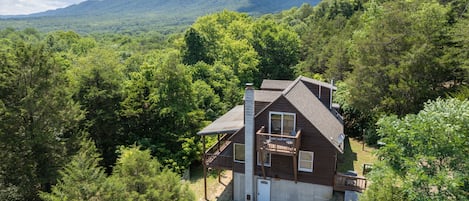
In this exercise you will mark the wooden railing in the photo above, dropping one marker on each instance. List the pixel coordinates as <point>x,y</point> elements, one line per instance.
<point>278,144</point>
<point>219,161</point>
<point>344,182</point>
<point>213,155</point>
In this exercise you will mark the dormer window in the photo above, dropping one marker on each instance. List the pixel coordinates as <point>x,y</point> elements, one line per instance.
<point>282,123</point>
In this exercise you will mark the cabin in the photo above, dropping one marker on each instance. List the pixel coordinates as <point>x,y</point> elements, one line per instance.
<point>282,144</point>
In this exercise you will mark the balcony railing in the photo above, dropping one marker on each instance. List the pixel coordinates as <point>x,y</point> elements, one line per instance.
<point>278,144</point>
<point>213,155</point>
<point>344,182</point>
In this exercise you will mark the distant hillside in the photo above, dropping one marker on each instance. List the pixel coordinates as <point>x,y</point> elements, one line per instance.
<point>140,15</point>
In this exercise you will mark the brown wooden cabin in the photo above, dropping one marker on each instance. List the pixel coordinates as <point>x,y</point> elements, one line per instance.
<point>298,137</point>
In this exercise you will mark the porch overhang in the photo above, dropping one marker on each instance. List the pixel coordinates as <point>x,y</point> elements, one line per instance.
<point>229,123</point>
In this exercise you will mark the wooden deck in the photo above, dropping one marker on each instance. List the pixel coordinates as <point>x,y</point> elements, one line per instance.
<point>287,145</point>
<point>344,182</point>
<point>213,157</point>
<point>278,144</point>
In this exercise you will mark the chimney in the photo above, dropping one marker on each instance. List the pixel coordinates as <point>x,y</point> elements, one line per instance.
<point>249,142</point>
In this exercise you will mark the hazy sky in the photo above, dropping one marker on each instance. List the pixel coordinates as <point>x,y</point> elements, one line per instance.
<point>18,7</point>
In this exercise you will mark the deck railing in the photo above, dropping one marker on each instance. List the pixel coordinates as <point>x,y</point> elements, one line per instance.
<point>344,182</point>
<point>213,155</point>
<point>279,144</point>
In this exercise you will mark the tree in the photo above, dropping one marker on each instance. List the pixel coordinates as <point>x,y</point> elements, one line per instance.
<point>397,57</point>
<point>195,49</point>
<point>38,117</point>
<point>159,110</point>
<point>82,178</point>
<point>222,80</point>
<point>426,152</point>
<point>98,79</point>
<point>277,47</point>
<point>144,178</point>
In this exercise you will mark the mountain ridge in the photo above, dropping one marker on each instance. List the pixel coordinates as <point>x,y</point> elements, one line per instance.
<point>130,15</point>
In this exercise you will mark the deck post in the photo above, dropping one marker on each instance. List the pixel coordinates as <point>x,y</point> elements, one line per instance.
<point>205,167</point>
<point>295,167</point>
<point>261,154</point>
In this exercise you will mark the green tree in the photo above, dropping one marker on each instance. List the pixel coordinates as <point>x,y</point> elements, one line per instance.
<point>82,178</point>
<point>98,79</point>
<point>195,49</point>
<point>207,100</point>
<point>397,57</point>
<point>426,152</point>
<point>326,39</point>
<point>277,47</point>
<point>222,80</point>
<point>145,178</point>
<point>38,117</point>
<point>159,110</point>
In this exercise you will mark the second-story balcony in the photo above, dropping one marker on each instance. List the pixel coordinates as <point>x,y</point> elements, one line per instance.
<point>216,157</point>
<point>288,145</point>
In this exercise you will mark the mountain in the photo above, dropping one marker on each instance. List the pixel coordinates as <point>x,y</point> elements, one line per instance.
<point>140,15</point>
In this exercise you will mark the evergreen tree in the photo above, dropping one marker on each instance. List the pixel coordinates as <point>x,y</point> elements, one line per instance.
<point>195,49</point>
<point>37,117</point>
<point>145,178</point>
<point>397,57</point>
<point>82,178</point>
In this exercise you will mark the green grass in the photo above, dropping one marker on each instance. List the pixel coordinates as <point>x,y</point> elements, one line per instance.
<point>355,156</point>
<point>215,190</point>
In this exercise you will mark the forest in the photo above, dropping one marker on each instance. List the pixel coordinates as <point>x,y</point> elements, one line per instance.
<point>80,114</point>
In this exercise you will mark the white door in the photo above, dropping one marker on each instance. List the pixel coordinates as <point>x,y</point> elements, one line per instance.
<point>263,190</point>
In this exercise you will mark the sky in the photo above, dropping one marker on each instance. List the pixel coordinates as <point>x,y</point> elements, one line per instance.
<point>20,7</point>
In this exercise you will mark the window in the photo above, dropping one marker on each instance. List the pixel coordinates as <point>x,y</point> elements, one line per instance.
<point>238,152</point>
<point>305,161</point>
<point>282,123</point>
<point>266,158</point>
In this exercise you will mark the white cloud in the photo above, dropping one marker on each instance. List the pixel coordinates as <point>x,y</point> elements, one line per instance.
<point>18,7</point>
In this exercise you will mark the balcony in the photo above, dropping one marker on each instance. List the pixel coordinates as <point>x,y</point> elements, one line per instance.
<point>287,145</point>
<point>344,182</point>
<point>215,157</point>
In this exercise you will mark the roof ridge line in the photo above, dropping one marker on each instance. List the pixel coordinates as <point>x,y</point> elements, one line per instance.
<point>290,87</point>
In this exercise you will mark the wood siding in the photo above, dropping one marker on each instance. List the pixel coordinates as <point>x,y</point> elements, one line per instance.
<point>325,96</point>
<point>324,162</point>
<point>258,106</point>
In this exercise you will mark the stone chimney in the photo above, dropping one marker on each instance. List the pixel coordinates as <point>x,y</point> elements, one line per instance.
<point>249,142</point>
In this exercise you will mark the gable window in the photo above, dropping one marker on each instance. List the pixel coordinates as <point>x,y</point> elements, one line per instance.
<point>282,123</point>
<point>305,161</point>
<point>238,152</point>
<point>265,157</point>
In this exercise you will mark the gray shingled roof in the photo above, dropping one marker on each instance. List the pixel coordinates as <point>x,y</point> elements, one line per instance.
<point>281,85</point>
<point>278,85</point>
<point>317,82</point>
<point>230,122</point>
<point>266,96</point>
<point>315,112</point>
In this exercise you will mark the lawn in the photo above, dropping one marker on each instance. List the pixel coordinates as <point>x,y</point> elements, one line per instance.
<point>355,156</point>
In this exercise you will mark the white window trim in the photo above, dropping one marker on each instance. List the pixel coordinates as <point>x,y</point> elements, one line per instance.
<point>312,161</point>
<point>281,122</point>
<point>234,153</point>
<point>265,164</point>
